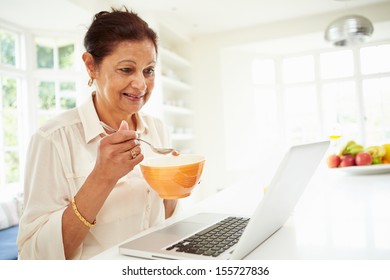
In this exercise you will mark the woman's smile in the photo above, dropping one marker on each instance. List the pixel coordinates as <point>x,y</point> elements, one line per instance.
<point>134,97</point>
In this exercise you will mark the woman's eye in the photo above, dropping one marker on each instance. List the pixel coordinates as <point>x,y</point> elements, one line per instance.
<point>149,71</point>
<point>125,70</point>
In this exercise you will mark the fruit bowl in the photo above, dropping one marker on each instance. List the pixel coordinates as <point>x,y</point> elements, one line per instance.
<point>366,170</point>
<point>173,177</point>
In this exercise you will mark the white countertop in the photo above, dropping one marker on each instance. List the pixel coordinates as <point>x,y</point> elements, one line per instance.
<point>340,216</point>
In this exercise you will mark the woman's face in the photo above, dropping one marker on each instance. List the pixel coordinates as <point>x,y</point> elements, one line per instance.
<point>125,79</point>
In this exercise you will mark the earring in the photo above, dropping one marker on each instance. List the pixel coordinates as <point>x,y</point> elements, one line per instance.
<point>90,82</point>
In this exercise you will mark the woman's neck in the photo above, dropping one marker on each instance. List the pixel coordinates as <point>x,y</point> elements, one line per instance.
<point>112,119</point>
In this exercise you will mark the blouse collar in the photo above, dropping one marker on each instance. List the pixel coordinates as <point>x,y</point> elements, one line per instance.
<point>91,122</point>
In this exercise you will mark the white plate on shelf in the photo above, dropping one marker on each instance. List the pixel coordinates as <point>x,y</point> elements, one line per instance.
<point>366,170</point>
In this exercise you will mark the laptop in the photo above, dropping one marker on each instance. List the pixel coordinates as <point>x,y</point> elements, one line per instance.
<point>215,236</point>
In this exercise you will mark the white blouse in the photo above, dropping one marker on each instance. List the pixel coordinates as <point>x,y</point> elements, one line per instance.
<point>61,155</point>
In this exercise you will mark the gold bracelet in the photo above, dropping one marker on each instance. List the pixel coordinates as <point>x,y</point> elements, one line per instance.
<point>85,222</point>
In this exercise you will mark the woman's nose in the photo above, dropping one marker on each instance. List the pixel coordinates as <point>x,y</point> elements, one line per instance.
<point>139,82</point>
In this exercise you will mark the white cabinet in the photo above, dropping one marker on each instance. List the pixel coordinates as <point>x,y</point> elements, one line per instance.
<point>175,71</point>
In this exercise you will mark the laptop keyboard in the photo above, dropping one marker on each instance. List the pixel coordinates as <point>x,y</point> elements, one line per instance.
<point>213,240</point>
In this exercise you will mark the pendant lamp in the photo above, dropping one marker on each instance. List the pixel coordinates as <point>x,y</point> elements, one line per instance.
<point>349,30</point>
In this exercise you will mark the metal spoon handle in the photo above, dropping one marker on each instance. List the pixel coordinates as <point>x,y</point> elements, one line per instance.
<point>139,139</point>
<point>156,150</point>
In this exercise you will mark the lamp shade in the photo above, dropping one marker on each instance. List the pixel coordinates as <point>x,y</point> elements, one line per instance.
<point>349,30</point>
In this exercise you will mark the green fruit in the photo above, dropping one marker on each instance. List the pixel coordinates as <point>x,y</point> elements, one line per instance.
<point>377,160</point>
<point>351,148</point>
<point>376,151</point>
<point>355,149</point>
<point>345,150</point>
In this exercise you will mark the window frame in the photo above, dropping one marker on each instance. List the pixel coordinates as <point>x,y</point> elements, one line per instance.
<point>28,74</point>
<point>357,78</point>
<point>19,73</point>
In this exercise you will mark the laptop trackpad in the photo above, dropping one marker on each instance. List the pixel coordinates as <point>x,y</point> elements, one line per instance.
<point>191,225</point>
<point>173,233</point>
<point>181,229</point>
<point>164,237</point>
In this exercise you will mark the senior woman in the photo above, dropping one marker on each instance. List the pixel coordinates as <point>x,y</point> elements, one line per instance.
<point>83,189</point>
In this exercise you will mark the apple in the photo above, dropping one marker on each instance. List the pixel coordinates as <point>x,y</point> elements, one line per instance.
<point>347,160</point>
<point>363,158</point>
<point>333,161</point>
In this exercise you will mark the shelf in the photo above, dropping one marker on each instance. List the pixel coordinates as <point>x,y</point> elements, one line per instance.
<point>175,80</point>
<point>172,58</point>
<point>175,84</point>
<point>177,110</point>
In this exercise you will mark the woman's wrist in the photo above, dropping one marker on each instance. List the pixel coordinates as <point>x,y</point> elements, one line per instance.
<point>97,177</point>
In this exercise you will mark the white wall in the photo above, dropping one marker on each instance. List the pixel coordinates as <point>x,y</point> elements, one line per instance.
<point>222,87</point>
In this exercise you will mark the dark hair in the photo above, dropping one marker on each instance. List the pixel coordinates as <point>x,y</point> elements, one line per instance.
<point>109,28</point>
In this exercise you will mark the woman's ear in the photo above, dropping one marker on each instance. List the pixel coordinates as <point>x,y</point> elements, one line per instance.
<point>89,64</point>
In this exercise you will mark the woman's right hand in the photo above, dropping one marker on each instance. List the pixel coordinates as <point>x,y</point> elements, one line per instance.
<point>118,154</point>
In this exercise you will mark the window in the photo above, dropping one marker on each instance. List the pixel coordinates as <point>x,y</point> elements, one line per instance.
<point>10,110</point>
<point>56,94</point>
<point>298,69</point>
<point>340,105</point>
<point>266,115</point>
<point>54,54</point>
<point>263,75</point>
<point>10,134</point>
<point>375,59</point>
<point>53,82</point>
<point>336,64</point>
<point>8,48</point>
<point>300,107</point>
<point>376,100</point>
<point>311,102</point>
<point>263,72</point>
<point>54,97</point>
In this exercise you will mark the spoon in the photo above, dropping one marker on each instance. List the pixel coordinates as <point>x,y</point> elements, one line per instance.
<point>154,149</point>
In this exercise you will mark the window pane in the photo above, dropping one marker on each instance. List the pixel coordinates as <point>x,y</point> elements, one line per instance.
<point>339,104</point>
<point>45,56</point>
<point>12,166</point>
<point>298,69</point>
<point>336,64</point>
<point>46,94</point>
<point>9,93</point>
<point>67,86</point>
<point>267,130</point>
<point>9,111</point>
<point>7,48</point>
<point>263,72</point>
<point>10,123</point>
<point>301,114</point>
<point>376,96</point>
<point>67,93</point>
<point>68,102</point>
<point>375,59</point>
<point>66,56</point>
<point>266,114</point>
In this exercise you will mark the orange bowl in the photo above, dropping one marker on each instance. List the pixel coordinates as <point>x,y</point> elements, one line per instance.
<point>173,176</point>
